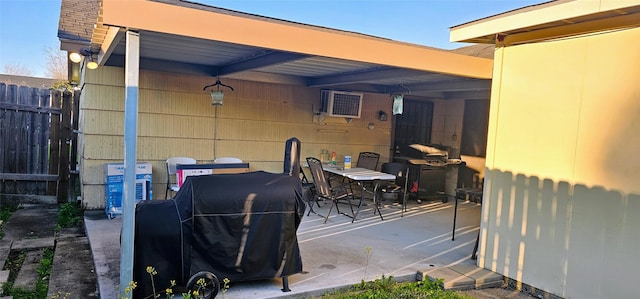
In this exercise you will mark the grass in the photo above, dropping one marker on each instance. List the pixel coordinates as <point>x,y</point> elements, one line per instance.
<point>14,263</point>
<point>387,288</point>
<point>5,213</point>
<point>69,215</point>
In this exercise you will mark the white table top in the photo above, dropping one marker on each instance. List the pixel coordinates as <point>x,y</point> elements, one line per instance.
<point>359,174</point>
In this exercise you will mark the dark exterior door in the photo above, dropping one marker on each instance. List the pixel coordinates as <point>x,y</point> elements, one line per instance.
<point>412,126</point>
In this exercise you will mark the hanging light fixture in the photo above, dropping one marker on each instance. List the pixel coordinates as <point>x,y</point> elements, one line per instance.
<point>217,95</point>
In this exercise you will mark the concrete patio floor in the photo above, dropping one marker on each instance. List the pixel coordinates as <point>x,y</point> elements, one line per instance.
<point>338,253</point>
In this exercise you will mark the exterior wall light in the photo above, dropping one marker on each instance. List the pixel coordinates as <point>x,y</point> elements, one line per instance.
<point>75,57</point>
<point>92,65</point>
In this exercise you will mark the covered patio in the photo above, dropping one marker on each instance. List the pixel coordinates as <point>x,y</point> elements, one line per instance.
<point>338,253</point>
<point>149,100</point>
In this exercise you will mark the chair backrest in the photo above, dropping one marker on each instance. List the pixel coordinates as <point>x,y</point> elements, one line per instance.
<point>173,161</point>
<point>368,160</point>
<point>292,157</point>
<point>319,179</point>
<point>227,160</point>
<point>400,170</point>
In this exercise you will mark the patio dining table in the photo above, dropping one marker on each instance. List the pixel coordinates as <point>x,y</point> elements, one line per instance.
<point>361,175</point>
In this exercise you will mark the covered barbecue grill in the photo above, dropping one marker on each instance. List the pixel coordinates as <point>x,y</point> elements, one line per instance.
<point>236,226</point>
<point>427,171</point>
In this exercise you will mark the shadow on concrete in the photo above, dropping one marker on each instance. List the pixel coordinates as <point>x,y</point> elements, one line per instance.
<point>338,253</point>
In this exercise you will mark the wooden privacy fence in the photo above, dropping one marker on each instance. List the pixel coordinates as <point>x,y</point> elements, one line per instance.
<point>36,137</point>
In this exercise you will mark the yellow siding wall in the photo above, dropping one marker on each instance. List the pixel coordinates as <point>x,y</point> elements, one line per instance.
<point>447,120</point>
<point>177,119</point>
<point>562,194</point>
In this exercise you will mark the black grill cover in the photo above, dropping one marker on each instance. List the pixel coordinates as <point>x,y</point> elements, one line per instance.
<point>237,226</point>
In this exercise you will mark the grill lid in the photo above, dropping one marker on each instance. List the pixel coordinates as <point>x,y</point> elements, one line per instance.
<point>428,150</point>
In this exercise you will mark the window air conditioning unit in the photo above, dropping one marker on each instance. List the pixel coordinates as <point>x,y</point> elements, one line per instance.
<point>340,103</point>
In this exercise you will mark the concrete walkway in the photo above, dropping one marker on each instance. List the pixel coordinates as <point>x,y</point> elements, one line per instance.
<point>340,253</point>
<point>32,230</point>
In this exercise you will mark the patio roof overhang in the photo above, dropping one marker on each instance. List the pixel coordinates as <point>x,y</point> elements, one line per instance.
<point>190,38</point>
<point>549,20</point>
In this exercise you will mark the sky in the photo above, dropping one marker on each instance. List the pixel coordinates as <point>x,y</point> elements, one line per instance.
<point>28,27</point>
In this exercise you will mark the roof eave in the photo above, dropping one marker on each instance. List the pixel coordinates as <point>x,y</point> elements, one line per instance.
<point>549,20</point>
<point>294,38</point>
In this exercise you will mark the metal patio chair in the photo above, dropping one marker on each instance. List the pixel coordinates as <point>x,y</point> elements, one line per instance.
<point>324,190</point>
<point>399,187</point>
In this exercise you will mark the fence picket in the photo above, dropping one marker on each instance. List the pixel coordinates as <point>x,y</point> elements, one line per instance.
<point>30,162</point>
<point>11,138</point>
<point>43,165</point>
<point>3,128</point>
<point>54,145</point>
<point>23,126</point>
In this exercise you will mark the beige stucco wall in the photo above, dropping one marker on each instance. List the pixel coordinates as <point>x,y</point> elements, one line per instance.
<point>177,119</point>
<point>562,194</point>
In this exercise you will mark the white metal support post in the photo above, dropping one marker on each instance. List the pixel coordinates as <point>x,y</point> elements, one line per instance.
<point>132,71</point>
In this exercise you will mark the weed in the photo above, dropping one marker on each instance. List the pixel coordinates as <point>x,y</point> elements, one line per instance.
<point>386,287</point>
<point>5,213</point>
<point>13,263</point>
<point>168,292</point>
<point>69,214</point>
<point>60,295</point>
<point>45,264</point>
<point>225,286</point>
<point>42,284</point>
